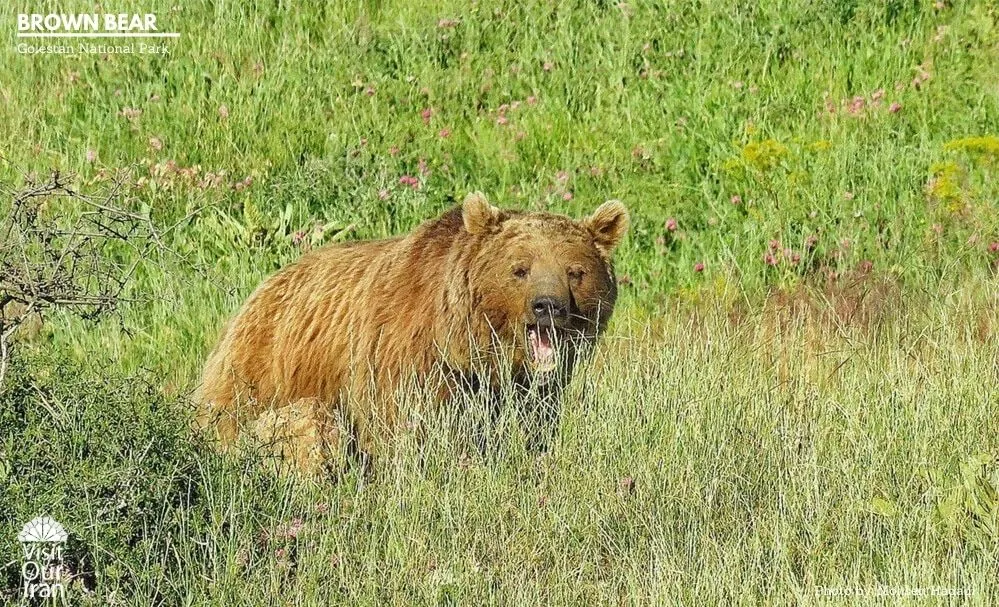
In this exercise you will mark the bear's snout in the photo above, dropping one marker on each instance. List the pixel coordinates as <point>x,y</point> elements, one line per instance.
<point>549,310</point>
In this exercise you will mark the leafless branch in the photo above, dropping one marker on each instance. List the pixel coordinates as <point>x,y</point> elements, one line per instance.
<point>61,249</point>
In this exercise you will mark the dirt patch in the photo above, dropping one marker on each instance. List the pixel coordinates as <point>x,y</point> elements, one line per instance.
<point>857,300</point>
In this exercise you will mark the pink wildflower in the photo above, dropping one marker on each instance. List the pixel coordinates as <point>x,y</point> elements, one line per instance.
<point>856,105</point>
<point>291,529</point>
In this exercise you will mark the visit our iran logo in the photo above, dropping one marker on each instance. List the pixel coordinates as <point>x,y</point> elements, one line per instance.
<point>42,529</point>
<point>42,540</point>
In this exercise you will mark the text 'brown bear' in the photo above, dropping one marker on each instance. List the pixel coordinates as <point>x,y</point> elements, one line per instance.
<point>476,299</point>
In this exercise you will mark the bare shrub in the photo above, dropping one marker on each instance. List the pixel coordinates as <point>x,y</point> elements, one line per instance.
<point>61,249</point>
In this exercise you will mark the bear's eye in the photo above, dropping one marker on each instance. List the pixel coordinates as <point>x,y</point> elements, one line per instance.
<point>576,273</point>
<point>521,271</point>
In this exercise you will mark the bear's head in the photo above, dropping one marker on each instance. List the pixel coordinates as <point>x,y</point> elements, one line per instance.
<point>543,282</point>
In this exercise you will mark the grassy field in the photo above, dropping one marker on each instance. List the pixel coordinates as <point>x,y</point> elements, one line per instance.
<point>798,395</point>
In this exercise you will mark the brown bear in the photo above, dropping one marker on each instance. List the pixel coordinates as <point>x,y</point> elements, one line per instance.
<point>470,298</point>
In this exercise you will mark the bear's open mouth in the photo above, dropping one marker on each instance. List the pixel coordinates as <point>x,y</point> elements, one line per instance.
<point>541,341</point>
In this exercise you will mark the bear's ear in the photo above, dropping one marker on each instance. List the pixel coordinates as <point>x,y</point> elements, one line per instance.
<point>478,215</point>
<point>608,224</point>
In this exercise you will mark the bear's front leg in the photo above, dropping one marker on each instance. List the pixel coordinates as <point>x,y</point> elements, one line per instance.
<point>540,410</point>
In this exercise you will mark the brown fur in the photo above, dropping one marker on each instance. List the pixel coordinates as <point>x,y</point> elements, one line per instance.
<point>346,325</point>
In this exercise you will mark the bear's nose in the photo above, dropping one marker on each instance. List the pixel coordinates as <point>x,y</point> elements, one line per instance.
<point>548,307</point>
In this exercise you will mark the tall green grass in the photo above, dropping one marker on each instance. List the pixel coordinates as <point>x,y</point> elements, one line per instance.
<point>707,461</point>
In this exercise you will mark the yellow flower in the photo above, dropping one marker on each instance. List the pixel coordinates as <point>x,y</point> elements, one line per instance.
<point>945,185</point>
<point>984,145</point>
<point>764,155</point>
